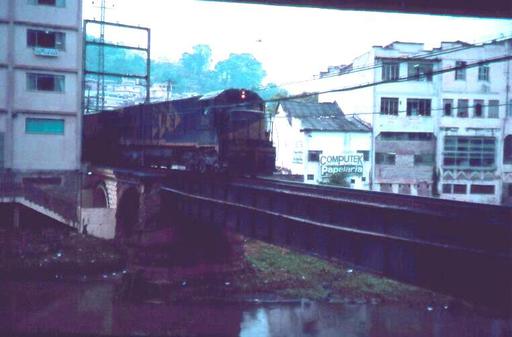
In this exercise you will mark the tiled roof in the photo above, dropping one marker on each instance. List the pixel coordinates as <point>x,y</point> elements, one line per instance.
<point>322,117</point>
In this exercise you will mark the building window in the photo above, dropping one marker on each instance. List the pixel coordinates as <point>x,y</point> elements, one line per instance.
<point>365,153</point>
<point>483,73</point>
<point>409,136</point>
<point>56,3</point>
<point>507,150</point>
<point>311,177</point>
<point>418,107</point>
<point>389,106</point>
<point>469,152</point>
<point>482,189</point>
<point>460,70</point>
<point>383,158</point>
<point>45,82</point>
<point>478,108</point>
<point>494,108</point>
<point>386,188</point>
<point>390,71</point>
<point>424,159</point>
<point>454,188</point>
<point>45,39</point>
<point>404,188</point>
<point>45,126</point>
<point>420,71</point>
<point>314,156</point>
<point>462,108</point>
<point>448,107</point>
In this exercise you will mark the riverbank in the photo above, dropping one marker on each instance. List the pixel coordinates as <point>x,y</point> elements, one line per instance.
<point>254,271</point>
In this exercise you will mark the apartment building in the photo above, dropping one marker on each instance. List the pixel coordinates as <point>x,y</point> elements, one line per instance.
<point>441,118</point>
<point>40,85</point>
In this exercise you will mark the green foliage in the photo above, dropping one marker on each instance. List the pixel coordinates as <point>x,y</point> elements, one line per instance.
<point>340,178</point>
<point>194,72</point>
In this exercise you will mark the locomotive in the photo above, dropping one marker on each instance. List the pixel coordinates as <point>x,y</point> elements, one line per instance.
<point>223,131</point>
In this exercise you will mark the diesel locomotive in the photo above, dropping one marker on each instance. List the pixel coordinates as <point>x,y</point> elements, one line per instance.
<point>218,132</point>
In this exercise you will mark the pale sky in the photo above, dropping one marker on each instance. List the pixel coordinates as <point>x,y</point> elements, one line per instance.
<point>293,43</point>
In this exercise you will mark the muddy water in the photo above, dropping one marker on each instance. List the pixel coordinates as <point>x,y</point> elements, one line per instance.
<point>93,308</point>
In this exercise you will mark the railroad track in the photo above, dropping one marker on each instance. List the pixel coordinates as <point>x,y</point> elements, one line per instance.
<point>429,205</point>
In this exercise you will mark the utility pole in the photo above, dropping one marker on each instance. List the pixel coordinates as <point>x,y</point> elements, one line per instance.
<point>100,83</point>
<point>168,89</point>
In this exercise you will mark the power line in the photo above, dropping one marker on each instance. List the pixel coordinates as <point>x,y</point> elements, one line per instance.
<point>350,88</point>
<point>400,79</point>
<point>452,109</point>
<point>421,55</point>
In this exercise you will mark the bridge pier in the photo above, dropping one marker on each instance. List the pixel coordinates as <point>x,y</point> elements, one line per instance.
<point>442,251</point>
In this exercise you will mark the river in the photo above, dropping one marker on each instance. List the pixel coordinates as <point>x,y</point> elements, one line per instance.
<point>93,308</point>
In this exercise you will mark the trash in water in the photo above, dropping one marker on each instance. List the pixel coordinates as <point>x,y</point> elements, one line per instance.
<point>227,284</point>
<point>303,277</point>
<point>445,307</point>
<point>105,275</point>
<point>350,270</point>
<point>59,254</point>
<point>429,308</point>
<point>125,271</point>
<point>184,283</point>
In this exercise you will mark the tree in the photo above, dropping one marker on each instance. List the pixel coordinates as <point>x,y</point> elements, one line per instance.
<point>340,178</point>
<point>239,71</point>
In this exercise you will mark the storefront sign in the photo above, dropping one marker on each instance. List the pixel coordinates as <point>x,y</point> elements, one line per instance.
<point>352,164</point>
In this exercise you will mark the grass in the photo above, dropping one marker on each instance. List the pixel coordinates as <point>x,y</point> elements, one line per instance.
<point>290,274</point>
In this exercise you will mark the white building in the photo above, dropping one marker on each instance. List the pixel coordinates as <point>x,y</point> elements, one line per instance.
<point>40,85</point>
<point>435,130</point>
<point>307,135</point>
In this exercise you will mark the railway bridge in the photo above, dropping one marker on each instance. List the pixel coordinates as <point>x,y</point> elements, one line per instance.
<point>456,247</point>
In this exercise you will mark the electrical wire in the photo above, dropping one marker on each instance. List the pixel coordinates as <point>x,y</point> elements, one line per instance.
<point>422,55</point>
<point>344,89</point>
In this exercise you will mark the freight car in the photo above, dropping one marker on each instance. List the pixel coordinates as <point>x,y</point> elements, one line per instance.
<point>218,132</point>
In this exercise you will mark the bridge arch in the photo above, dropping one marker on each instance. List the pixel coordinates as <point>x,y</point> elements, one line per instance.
<point>100,197</point>
<point>127,214</point>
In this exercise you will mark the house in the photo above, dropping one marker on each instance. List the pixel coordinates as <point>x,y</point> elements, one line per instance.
<point>314,140</point>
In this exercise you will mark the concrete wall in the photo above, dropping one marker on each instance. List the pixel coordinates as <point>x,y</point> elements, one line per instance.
<point>67,59</point>
<point>65,16</point>
<point>3,88</point>
<point>43,151</point>
<point>336,143</point>
<point>3,42</point>
<point>100,222</point>
<point>67,101</point>
<point>3,9</point>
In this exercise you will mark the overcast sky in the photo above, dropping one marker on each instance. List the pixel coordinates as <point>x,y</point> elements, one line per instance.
<point>293,43</point>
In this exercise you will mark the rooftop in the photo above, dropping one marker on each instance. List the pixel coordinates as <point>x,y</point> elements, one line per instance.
<point>323,117</point>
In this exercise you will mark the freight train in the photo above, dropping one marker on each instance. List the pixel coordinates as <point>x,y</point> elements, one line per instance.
<point>218,132</point>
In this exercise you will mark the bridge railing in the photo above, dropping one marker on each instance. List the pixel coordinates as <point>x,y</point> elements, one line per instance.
<point>12,187</point>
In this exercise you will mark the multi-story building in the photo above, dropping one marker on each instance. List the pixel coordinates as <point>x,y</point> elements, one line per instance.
<point>314,140</point>
<point>441,118</point>
<point>40,85</point>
